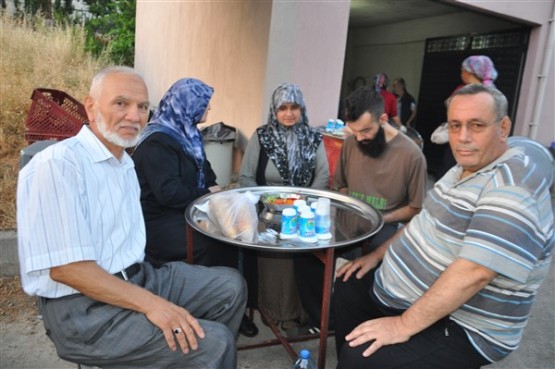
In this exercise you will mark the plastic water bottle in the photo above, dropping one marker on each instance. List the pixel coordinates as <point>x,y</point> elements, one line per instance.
<point>297,204</point>
<point>313,206</point>
<point>322,219</point>
<point>307,228</point>
<point>288,223</point>
<point>331,126</point>
<point>339,125</point>
<point>304,361</point>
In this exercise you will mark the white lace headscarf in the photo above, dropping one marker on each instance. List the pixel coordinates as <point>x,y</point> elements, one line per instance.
<point>291,149</point>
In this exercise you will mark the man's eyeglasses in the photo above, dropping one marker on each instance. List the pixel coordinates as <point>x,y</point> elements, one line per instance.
<point>475,126</point>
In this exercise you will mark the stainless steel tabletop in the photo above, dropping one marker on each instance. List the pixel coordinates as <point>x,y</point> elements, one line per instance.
<point>351,221</point>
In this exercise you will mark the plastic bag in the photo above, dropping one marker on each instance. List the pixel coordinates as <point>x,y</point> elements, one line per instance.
<point>234,214</point>
<point>219,132</point>
<point>440,135</point>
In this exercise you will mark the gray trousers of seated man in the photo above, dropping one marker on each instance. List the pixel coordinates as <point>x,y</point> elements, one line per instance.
<point>96,334</point>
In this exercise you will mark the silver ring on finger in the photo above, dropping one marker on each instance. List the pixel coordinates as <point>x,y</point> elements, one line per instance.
<point>177,330</point>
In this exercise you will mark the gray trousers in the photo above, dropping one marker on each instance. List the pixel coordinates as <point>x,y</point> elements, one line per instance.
<point>92,333</point>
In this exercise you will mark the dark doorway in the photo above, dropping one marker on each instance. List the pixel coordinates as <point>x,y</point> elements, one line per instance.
<point>441,75</point>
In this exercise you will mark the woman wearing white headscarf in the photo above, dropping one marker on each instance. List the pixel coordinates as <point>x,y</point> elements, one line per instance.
<point>285,151</point>
<point>291,152</point>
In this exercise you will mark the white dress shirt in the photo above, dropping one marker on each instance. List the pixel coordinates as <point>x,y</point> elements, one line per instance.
<point>77,202</point>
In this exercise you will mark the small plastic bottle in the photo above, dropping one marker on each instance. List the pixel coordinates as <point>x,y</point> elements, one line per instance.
<point>288,223</point>
<point>307,228</point>
<point>331,126</point>
<point>322,219</point>
<point>313,206</point>
<point>304,361</point>
<point>339,125</point>
<point>297,204</point>
<point>304,208</point>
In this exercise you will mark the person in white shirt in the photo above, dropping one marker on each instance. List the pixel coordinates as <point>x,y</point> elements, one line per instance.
<point>81,239</point>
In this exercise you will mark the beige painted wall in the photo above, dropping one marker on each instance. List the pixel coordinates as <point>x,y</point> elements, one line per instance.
<point>223,44</point>
<point>307,47</point>
<point>245,49</point>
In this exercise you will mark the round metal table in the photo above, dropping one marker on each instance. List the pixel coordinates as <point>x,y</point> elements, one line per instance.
<point>352,221</point>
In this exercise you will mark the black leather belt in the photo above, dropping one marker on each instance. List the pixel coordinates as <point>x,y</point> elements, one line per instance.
<point>128,272</point>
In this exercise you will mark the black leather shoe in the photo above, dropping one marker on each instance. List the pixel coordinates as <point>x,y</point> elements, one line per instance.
<point>248,328</point>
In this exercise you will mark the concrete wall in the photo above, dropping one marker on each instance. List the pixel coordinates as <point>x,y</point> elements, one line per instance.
<point>534,12</point>
<point>222,43</point>
<point>307,47</point>
<point>245,49</point>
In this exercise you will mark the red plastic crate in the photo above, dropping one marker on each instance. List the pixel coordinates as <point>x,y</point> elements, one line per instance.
<point>53,115</point>
<point>333,147</point>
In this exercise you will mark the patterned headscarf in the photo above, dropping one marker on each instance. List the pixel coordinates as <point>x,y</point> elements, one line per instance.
<point>381,81</point>
<point>178,114</point>
<point>482,67</point>
<point>291,149</point>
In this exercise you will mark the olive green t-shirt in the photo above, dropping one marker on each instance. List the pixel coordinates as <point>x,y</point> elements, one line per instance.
<point>395,179</point>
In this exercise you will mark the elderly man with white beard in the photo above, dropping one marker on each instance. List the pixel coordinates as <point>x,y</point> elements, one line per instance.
<point>81,238</point>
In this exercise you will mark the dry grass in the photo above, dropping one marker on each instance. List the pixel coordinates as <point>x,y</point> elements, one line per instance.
<point>34,55</point>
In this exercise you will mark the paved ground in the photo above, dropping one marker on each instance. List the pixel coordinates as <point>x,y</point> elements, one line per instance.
<point>24,345</point>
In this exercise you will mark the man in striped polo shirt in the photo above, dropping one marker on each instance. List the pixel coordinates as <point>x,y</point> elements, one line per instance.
<point>454,288</point>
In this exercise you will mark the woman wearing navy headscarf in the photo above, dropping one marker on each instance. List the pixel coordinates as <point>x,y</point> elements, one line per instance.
<point>285,151</point>
<point>173,172</point>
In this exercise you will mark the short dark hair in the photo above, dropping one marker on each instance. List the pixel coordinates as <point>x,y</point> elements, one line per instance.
<point>401,82</point>
<point>361,101</point>
<point>500,103</point>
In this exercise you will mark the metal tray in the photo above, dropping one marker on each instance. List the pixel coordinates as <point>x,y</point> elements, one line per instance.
<point>351,221</point>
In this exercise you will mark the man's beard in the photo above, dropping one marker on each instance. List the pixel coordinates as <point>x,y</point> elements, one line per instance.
<point>112,136</point>
<point>373,147</point>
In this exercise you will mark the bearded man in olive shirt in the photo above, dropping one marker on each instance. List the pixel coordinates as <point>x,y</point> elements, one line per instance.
<point>379,165</point>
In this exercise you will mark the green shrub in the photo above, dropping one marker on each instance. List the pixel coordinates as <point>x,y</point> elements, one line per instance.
<point>111,28</point>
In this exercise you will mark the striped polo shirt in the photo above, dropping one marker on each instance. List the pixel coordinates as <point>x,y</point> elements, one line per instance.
<point>501,217</point>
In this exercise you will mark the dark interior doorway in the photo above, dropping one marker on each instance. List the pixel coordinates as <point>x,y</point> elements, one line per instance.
<point>441,75</point>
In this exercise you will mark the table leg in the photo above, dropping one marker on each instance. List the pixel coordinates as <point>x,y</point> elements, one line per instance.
<point>279,340</point>
<point>326,300</point>
<point>284,342</point>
